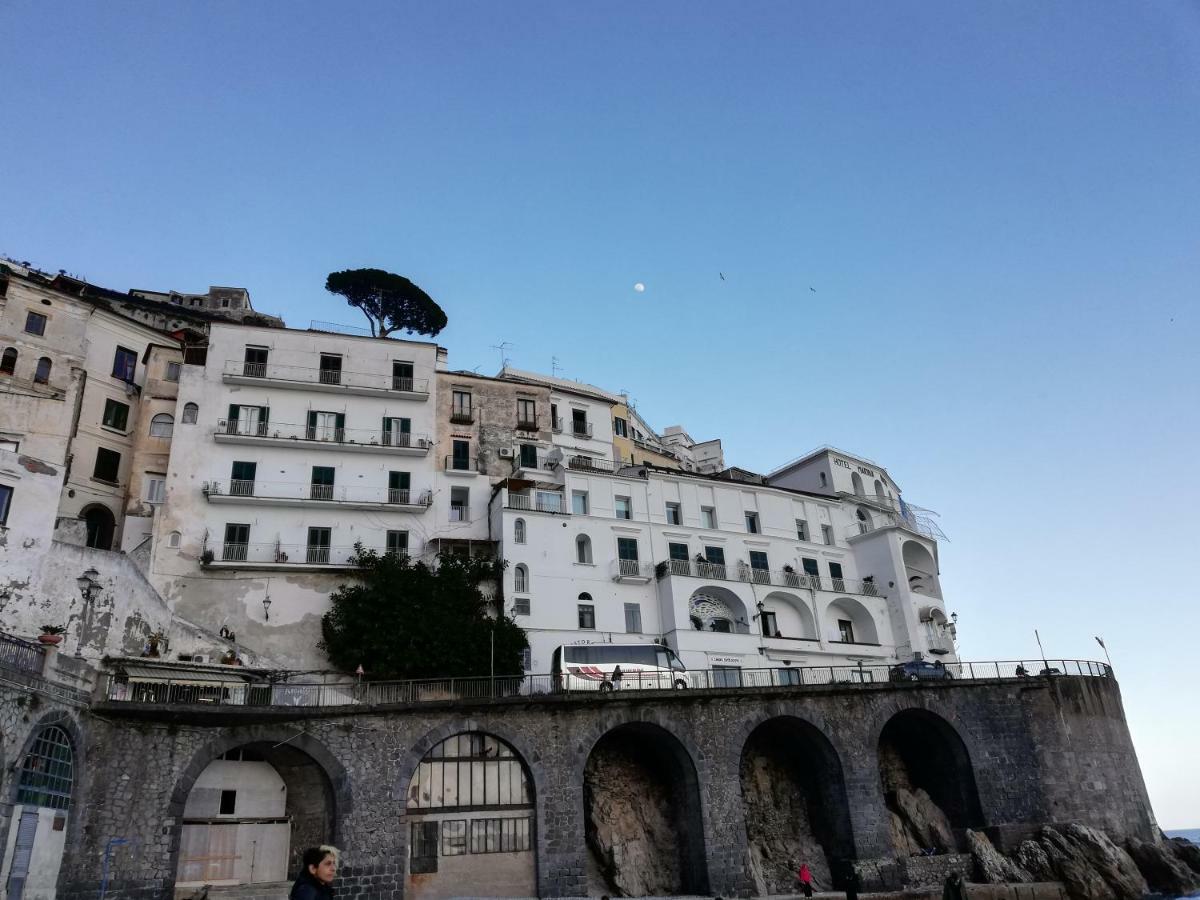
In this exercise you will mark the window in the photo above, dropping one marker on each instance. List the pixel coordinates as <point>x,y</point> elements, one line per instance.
<point>619,427</point>
<point>846,631</point>
<point>330,368</point>
<point>321,483</point>
<point>500,835</point>
<point>241,478</point>
<point>623,507</point>
<point>835,574</point>
<point>5,502</point>
<point>579,503</point>
<point>162,425</point>
<point>460,460</point>
<point>460,409</point>
<point>116,415</point>
<point>824,479</point>
<point>237,542</point>
<point>627,549</point>
<point>678,554</point>
<point>521,606</point>
<point>555,421</point>
<point>326,426</point>
<point>47,771</point>
<point>108,465</point>
<point>708,517</point>
<point>519,531</point>
<point>752,523</point>
<point>633,618</point>
<point>247,420</point>
<point>402,376</point>
<point>460,504</point>
<point>228,803</point>
<point>41,374</point>
<point>191,412</point>
<point>526,414</point>
<point>521,579</point>
<point>173,371</point>
<point>35,323</point>
<point>255,365</point>
<point>124,364</point>
<point>174,538</point>
<point>583,550</point>
<point>397,432</point>
<point>526,664</point>
<point>801,530</point>
<point>12,445</point>
<point>8,361</point>
<point>769,626</point>
<point>424,847</point>
<point>715,556</point>
<point>674,514</point>
<point>399,487</point>
<point>156,488</point>
<point>529,456</point>
<point>827,534</point>
<point>397,542</point>
<point>587,616</point>
<point>318,545</point>
<point>758,560</point>
<point>810,567</point>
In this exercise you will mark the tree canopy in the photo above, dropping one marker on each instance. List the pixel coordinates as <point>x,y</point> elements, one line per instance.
<point>405,619</point>
<point>390,302</point>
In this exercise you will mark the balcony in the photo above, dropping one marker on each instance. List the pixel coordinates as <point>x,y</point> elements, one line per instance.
<point>332,381</point>
<point>544,501</point>
<point>354,440</point>
<point>537,468</point>
<point>462,465</point>
<point>524,424</point>
<point>691,568</point>
<point>581,429</point>
<point>604,466</point>
<point>274,555</point>
<point>299,494</point>
<point>459,513</point>
<point>556,424</point>
<point>462,416</point>
<point>631,571</point>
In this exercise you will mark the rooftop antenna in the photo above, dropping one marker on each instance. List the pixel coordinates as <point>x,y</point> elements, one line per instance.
<point>555,368</point>
<point>502,348</point>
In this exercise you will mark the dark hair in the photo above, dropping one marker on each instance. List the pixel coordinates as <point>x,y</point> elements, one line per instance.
<point>314,856</point>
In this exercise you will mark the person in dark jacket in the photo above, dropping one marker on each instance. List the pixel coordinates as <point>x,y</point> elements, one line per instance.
<point>315,882</point>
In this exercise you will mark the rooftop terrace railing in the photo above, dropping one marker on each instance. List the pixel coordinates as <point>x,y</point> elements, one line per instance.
<point>325,690</point>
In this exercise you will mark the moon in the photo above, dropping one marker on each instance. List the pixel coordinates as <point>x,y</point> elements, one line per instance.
<point>639,287</point>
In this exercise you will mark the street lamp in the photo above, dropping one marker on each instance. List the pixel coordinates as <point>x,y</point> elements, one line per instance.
<point>89,587</point>
<point>267,608</point>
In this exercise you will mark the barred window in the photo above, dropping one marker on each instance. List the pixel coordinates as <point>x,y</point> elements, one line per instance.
<point>46,774</point>
<point>454,837</point>
<point>500,835</point>
<point>469,771</point>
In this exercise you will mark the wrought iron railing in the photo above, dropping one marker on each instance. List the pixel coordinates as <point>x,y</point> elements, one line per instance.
<point>314,375</point>
<point>317,492</point>
<point>321,434</point>
<point>24,656</point>
<point>694,568</point>
<point>325,690</point>
<point>463,464</point>
<point>546,502</point>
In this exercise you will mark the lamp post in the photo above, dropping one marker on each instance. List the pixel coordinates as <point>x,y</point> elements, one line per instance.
<point>89,587</point>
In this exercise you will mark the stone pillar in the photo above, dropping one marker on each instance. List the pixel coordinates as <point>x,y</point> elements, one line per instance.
<point>868,810</point>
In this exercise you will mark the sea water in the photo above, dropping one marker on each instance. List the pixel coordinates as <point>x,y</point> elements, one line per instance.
<point>1192,834</point>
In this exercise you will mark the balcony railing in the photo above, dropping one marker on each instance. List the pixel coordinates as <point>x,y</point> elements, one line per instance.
<point>276,553</point>
<point>540,461</point>
<point>322,434</point>
<point>462,416</point>
<point>524,424</point>
<point>22,656</point>
<point>543,502</point>
<point>588,464</point>
<point>315,689</point>
<point>692,568</point>
<point>581,429</point>
<point>323,493</point>
<point>460,514</point>
<point>632,569</point>
<point>462,464</point>
<point>302,375</point>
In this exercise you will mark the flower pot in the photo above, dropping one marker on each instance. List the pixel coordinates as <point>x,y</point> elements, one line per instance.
<point>50,639</point>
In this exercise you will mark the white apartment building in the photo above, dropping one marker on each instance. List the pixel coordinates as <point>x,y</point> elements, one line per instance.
<point>303,444</point>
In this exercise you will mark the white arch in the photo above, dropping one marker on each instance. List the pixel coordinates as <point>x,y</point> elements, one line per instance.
<point>856,484</point>
<point>793,616</point>
<point>860,618</point>
<point>921,570</point>
<point>519,531</point>
<point>521,579</point>
<point>583,549</point>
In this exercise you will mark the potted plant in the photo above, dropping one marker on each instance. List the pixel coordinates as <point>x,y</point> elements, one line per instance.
<point>206,557</point>
<point>52,634</point>
<point>152,643</point>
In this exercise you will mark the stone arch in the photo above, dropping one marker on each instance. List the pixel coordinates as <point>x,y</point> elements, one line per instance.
<point>865,629</point>
<point>644,819</point>
<point>309,770</point>
<point>8,361</point>
<point>62,719</point>
<point>928,781</point>
<point>101,525</point>
<point>793,616</point>
<point>921,570</point>
<point>795,803</point>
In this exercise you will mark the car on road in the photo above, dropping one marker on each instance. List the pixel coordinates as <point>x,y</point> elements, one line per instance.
<point>920,670</point>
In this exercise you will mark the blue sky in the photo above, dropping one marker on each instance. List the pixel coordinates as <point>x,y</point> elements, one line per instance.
<point>959,239</point>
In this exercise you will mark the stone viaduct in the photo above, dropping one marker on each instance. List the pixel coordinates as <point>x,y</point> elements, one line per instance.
<point>1017,753</point>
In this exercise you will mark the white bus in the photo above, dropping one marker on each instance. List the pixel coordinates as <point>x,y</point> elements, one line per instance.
<point>590,667</point>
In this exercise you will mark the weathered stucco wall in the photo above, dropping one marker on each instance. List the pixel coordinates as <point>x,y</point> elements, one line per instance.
<point>368,760</point>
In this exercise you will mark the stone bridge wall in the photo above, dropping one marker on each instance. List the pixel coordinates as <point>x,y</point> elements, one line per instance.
<point>1042,750</point>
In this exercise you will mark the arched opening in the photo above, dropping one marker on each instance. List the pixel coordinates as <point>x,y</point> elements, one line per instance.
<point>921,570</point>
<point>847,621</point>
<point>713,608</point>
<point>864,521</point>
<point>162,425</point>
<point>879,489</point>
<point>471,821</point>
<point>101,524</point>
<point>787,616</point>
<point>520,579</point>
<point>519,531</point>
<point>642,818</point>
<point>8,361</point>
<point>43,799</point>
<point>583,549</point>
<point>41,374</point>
<point>856,483</point>
<point>250,815</point>
<point>928,783</point>
<point>796,810</point>
<point>191,413</point>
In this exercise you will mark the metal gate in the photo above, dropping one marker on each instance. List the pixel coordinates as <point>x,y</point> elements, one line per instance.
<point>22,854</point>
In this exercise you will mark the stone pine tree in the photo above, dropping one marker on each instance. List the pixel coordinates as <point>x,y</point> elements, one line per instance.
<point>390,302</point>
<point>405,619</point>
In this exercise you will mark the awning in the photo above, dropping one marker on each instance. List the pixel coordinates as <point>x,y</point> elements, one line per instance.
<point>182,676</point>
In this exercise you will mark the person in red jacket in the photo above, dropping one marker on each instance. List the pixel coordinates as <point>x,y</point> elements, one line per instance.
<point>805,878</point>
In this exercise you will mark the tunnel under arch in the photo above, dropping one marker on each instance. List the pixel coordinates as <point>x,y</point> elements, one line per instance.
<point>642,815</point>
<point>928,783</point>
<point>250,814</point>
<point>795,804</point>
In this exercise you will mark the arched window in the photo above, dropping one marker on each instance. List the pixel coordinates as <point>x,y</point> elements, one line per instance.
<point>173,539</point>
<point>191,412</point>
<point>585,597</point>
<point>520,579</point>
<point>583,549</point>
<point>46,773</point>
<point>519,531</point>
<point>42,374</point>
<point>162,425</point>
<point>8,362</point>
<point>824,479</point>
<point>878,488</point>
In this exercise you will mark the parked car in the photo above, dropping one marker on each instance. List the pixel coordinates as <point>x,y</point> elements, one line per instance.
<point>920,670</point>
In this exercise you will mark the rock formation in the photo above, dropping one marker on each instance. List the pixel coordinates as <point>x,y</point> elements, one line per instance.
<point>994,867</point>
<point>917,823</point>
<point>1187,852</point>
<point>1164,866</point>
<point>1090,866</point>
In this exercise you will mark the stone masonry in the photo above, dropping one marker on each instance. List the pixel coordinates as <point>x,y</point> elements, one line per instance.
<point>1041,750</point>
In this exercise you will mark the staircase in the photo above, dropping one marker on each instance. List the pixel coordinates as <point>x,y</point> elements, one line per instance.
<point>266,890</point>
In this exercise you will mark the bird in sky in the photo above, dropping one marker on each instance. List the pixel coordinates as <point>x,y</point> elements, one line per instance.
<point>811,288</point>
<point>722,274</point>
